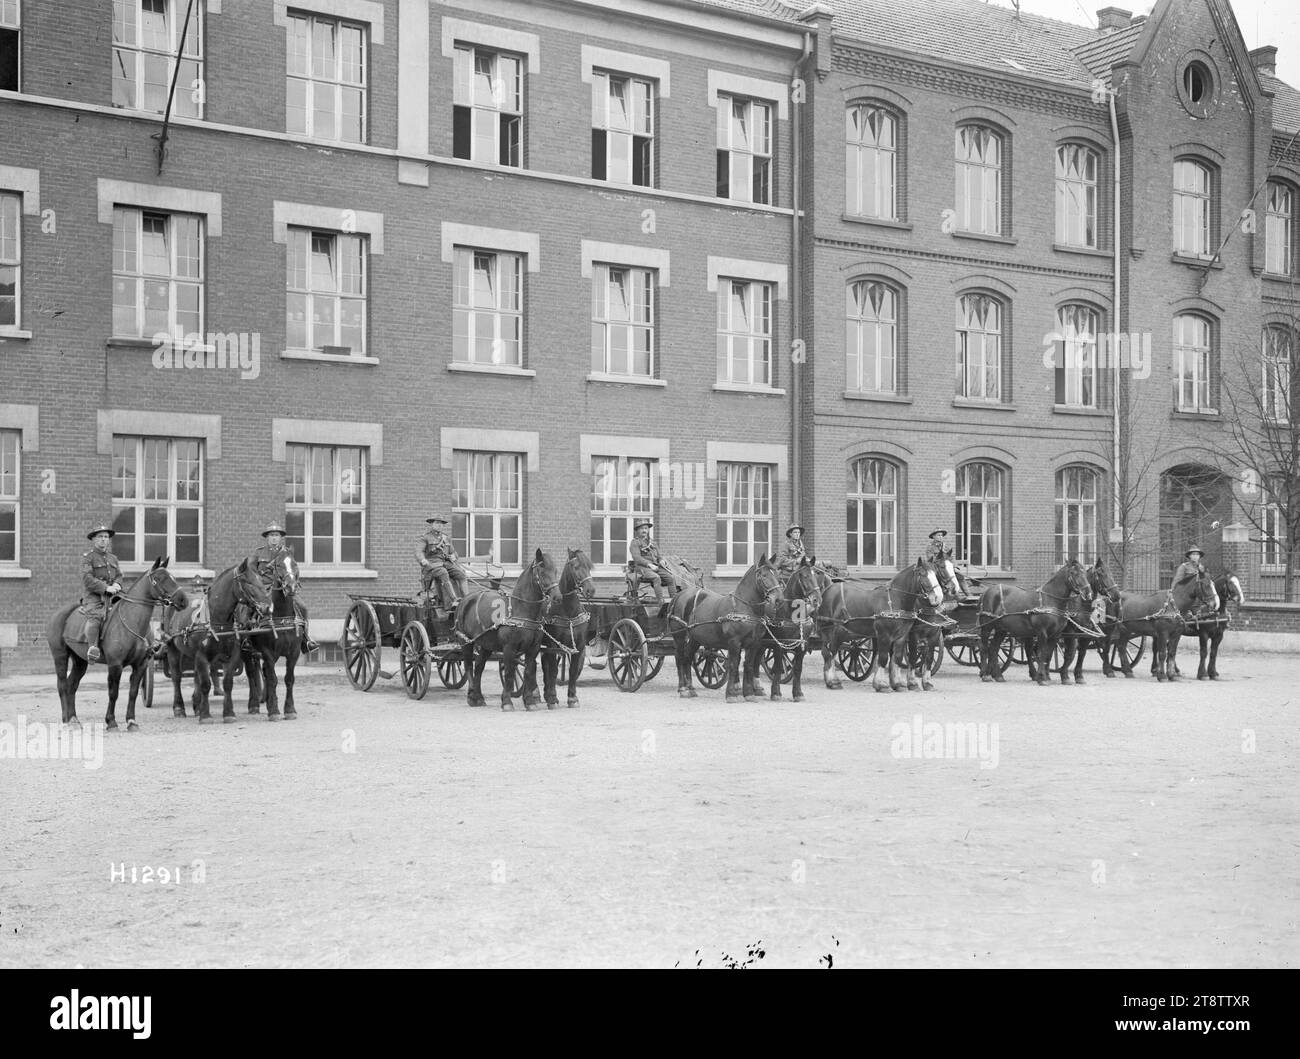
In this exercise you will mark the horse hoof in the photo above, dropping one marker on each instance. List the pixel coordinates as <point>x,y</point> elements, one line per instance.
<point>1110,675</point>
<point>1201,676</point>
<point>1214,676</point>
<point>272,716</point>
<point>881,688</point>
<point>735,698</point>
<point>229,718</point>
<point>1078,680</point>
<point>837,686</point>
<point>986,679</point>
<point>132,726</point>
<point>1129,676</point>
<point>796,698</point>
<point>206,720</point>
<point>552,704</point>
<point>1000,679</point>
<point>108,725</point>
<point>573,704</point>
<point>290,715</point>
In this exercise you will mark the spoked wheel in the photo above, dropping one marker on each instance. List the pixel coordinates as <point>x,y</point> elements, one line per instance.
<point>710,667</point>
<point>656,664</point>
<point>1006,649</point>
<point>452,671</point>
<point>629,657</point>
<point>512,679</point>
<point>415,665</point>
<point>767,662</point>
<point>361,645</point>
<point>1133,652</point>
<point>854,658</point>
<point>1018,655</point>
<point>963,652</point>
<point>934,658</point>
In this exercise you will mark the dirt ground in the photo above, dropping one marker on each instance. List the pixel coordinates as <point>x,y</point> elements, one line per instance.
<point>1126,823</point>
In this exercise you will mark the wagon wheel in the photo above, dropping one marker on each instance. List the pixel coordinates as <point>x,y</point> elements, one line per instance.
<point>855,657</point>
<point>1006,649</point>
<point>935,658</point>
<point>452,671</point>
<point>767,661</point>
<point>512,680</point>
<point>361,645</point>
<point>1133,652</point>
<point>629,658</point>
<point>415,666</point>
<point>963,652</point>
<point>710,667</point>
<point>1018,655</point>
<point>656,664</point>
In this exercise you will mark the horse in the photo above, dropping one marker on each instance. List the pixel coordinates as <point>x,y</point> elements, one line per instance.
<point>232,587</point>
<point>491,621</point>
<point>733,622</point>
<point>185,630</point>
<point>1160,615</point>
<point>851,610</point>
<point>126,640</point>
<point>1035,618</point>
<point>282,640</point>
<point>1075,643</point>
<point>1210,630</point>
<point>925,642</point>
<point>569,629</point>
<point>793,625</point>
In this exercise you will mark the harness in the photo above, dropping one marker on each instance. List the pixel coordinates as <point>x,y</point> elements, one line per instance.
<point>740,617</point>
<point>513,621</point>
<point>115,611</point>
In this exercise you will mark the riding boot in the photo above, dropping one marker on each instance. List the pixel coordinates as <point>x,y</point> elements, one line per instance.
<point>92,637</point>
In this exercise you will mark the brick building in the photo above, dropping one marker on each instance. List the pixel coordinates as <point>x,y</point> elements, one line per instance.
<point>536,266</point>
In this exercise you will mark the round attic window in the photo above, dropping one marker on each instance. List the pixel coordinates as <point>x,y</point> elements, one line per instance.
<point>1196,82</point>
<point>1197,87</point>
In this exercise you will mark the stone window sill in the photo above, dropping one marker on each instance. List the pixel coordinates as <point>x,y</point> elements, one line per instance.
<point>179,571</point>
<point>14,332</point>
<point>632,380</point>
<point>1210,414</point>
<point>1076,410</point>
<point>888,398</point>
<point>878,222</point>
<point>734,387</point>
<point>492,369</point>
<point>327,358</point>
<point>982,237</point>
<point>1089,251</point>
<point>321,572</point>
<point>132,342</point>
<point>14,573</point>
<point>989,406</point>
<point>1195,260</point>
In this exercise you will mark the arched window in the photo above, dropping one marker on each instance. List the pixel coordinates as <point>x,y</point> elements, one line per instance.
<point>979,347</point>
<point>979,179</point>
<point>1279,228</point>
<point>980,489</point>
<point>1076,356</point>
<point>871,338</point>
<point>871,162</point>
<point>1194,363</point>
<point>1192,188</point>
<point>872,512</point>
<point>1076,195</point>
<point>1076,514</point>
<point>1279,373</point>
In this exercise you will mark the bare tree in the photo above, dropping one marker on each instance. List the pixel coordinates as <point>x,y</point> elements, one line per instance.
<point>1136,500</point>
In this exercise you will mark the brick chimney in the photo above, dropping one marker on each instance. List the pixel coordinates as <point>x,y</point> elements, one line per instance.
<point>1265,60</point>
<point>1109,19</point>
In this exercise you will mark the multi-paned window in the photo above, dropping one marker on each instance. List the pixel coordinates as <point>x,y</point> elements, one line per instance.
<point>1279,373</point>
<point>326,298</point>
<point>11,215</point>
<point>744,149</point>
<point>1279,231</point>
<point>622,129</point>
<point>1076,195</point>
<point>326,81</point>
<point>487,505</point>
<point>1192,183</point>
<point>325,503</point>
<point>871,162</point>
<point>487,307</point>
<point>744,332</point>
<point>1076,356</point>
<point>872,512</point>
<point>157,498</point>
<point>146,36</point>
<point>10,500</point>
<point>1076,514</point>
<point>487,106</point>
<point>979,180</point>
<point>979,515</point>
<point>622,491</point>
<point>1273,545</point>
<point>622,320</point>
<point>10,49</point>
<point>1193,363</point>
<point>744,520</point>
<point>871,341</point>
<point>157,272</point>
<point>979,347</point>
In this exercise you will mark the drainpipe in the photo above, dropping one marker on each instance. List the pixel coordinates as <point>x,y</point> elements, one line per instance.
<point>796,293</point>
<point>1114,354</point>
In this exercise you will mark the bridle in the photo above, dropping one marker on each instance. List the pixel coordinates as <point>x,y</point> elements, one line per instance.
<point>242,593</point>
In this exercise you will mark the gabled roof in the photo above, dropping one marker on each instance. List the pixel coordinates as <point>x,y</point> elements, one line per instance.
<point>1286,104</point>
<point>1105,51</point>
<point>762,8</point>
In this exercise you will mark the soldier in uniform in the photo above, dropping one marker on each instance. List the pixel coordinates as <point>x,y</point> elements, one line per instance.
<point>793,551</point>
<point>439,562</point>
<point>102,579</point>
<point>264,559</point>
<point>938,545</point>
<point>644,557</point>
<point>1191,565</point>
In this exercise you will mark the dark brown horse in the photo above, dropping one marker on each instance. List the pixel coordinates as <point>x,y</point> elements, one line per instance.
<point>185,631</point>
<point>1075,640</point>
<point>925,642</point>
<point>568,628</point>
<point>1034,617</point>
<point>237,601</point>
<point>491,621</point>
<point>794,624</point>
<point>1161,616</point>
<point>732,622</point>
<point>1210,630</point>
<point>283,639</point>
<point>126,641</point>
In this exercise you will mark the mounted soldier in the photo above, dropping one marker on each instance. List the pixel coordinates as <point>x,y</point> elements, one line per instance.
<point>1191,565</point>
<point>439,562</point>
<point>274,549</point>
<point>102,579</point>
<point>645,563</point>
<point>793,551</point>
<point>937,550</point>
